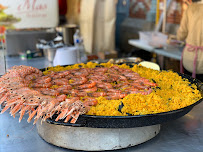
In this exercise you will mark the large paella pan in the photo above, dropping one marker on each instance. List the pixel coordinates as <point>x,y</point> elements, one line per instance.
<point>99,95</point>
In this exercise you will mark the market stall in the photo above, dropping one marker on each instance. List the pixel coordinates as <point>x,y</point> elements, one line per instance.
<point>62,101</point>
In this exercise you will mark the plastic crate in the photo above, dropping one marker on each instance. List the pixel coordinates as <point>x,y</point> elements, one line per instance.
<point>155,39</point>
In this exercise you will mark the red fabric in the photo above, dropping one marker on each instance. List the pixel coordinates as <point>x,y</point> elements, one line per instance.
<point>62,7</point>
<point>2,29</point>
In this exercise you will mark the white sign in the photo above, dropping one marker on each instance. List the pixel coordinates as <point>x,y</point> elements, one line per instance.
<point>29,13</point>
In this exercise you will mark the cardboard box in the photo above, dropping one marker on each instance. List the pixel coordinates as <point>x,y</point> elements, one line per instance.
<point>108,55</point>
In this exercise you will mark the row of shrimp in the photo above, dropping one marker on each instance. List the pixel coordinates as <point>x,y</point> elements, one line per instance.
<point>68,93</point>
<point>111,83</point>
<point>20,92</point>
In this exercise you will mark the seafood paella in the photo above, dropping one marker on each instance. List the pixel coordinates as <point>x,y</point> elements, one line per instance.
<point>103,89</point>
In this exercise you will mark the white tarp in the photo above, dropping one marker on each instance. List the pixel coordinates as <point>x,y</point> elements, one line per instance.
<point>97,24</point>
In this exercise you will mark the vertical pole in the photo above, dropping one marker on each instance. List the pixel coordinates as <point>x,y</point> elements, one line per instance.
<point>2,58</point>
<point>157,12</point>
<point>164,18</point>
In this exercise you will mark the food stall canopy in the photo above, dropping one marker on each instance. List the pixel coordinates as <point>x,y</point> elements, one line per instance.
<point>22,14</point>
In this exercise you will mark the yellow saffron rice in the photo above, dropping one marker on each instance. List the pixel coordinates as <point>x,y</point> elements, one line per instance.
<point>173,93</point>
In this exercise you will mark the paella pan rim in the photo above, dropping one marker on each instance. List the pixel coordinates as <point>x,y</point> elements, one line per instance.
<point>126,121</point>
<point>148,115</point>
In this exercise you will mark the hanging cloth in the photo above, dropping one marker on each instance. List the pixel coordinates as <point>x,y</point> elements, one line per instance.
<point>97,25</point>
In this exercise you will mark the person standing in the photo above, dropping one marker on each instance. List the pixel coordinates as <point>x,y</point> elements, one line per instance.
<point>191,31</point>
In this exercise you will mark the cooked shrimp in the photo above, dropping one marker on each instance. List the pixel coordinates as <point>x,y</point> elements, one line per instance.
<point>48,91</point>
<point>61,81</point>
<point>90,102</point>
<point>97,94</point>
<point>16,108</point>
<point>32,114</point>
<point>150,83</point>
<point>51,105</point>
<point>61,98</point>
<point>32,76</point>
<point>58,75</point>
<point>78,80</point>
<point>23,70</point>
<point>122,85</point>
<point>64,87</point>
<point>5,109</point>
<point>69,108</point>
<point>113,90</point>
<point>80,94</point>
<point>82,72</point>
<point>43,79</point>
<point>90,84</point>
<point>67,118</point>
<point>75,116</point>
<point>22,112</point>
<point>76,109</point>
<point>98,78</point>
<point>41,85</point>
<point>45,107</point>
<point>139,85</point>
<point>104,85</point>
<point>93,89</point>
<point>115,96</point>
<point>63,105</point>
<point>73,91</point>
<point>131,75</point>
<point>117,77</point>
